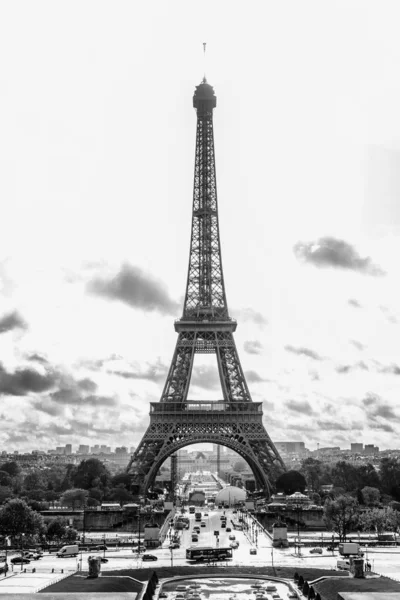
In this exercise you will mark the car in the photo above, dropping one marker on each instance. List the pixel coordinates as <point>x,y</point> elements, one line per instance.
<point>100,547</point>
<point>174,545</point>
<point>17,560</point>
<point>234,545</point>
<point>228,529</point>
<point>163,595</point>
<point>195,538</point>
<point>330,548</point>
<point>206,514</point>
<point>149,557</point>
<point>232,537</point>
<point>36,556</point>
<point>202,524</point>
<point>103,559</point>
<point>253,550</point>
<point>223,525</point>
<point>316,550</point>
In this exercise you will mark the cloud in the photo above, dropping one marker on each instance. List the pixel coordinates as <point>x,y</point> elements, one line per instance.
<point>206,377</point>
<point>382,427</point>
<point>25,381</point>
<point>252,347</point>
<point>353,302</point>
<point>38,358</point>
<point>87,385</point>
<point>390,369</point>
<point>137,289</point>
<point>332,252</point>
<point>371,399</point>
<point>11,321</point>
<point>333,426</point>
<point>357,345</point>
<point>302,407</point>
<point>249,314</point>
<point>385,411</point>
<point>153,372</point>
<point>253,376</point>
<point>348,368</point>
<point>303,352</point>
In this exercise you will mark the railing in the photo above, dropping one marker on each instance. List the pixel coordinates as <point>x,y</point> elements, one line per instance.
<point>201,406</point>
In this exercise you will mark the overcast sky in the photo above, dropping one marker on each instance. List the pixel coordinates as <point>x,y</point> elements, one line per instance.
<point>97,138</point>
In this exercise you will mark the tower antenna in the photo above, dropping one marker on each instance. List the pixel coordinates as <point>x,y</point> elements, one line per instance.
<point>204,54</point>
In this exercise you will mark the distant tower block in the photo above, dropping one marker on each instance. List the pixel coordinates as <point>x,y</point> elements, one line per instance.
<point>205,327</point>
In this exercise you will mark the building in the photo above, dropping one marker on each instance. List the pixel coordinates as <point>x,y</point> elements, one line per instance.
<point>356,448</point>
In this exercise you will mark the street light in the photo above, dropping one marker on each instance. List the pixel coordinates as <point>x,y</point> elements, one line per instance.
<point>22,549</point>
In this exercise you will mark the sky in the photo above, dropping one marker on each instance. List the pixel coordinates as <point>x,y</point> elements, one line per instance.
<point>96,159</point>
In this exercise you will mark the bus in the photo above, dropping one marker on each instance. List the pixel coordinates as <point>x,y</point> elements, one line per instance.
<point>208,553</point>
<point>192,509</point>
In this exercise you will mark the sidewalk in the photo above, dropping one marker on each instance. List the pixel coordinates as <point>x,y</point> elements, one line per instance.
<point>29,582</point>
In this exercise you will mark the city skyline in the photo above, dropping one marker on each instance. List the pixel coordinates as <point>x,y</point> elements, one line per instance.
<point>97,154</point>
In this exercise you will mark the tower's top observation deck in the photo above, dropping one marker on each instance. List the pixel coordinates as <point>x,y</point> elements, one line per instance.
<point>204,99</point>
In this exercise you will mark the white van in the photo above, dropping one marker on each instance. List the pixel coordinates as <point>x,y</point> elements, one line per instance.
<point>68,551</point>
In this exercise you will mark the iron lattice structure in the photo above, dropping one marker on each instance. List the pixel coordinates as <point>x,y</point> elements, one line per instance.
<point>205,327</point>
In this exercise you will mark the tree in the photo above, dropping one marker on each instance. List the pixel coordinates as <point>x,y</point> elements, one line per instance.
<point>16,518</point>
<point>344,475</point>
<point>123,478</point>
<point>390,476</point>
<point>120,494</point>
<point>6,493</point>
<point>91,473</point>
<point>367,476</point>
<point>5,479</point>
<point>240,466</point>
<point>311,468</point>
<point>75,497</point>
<point>34,481</point>
<point>376,519</point>
<point>291,482</point>
<point>341,515</point>
<point>11,467</point>
<point>56,529</point>
<point>371,496</point>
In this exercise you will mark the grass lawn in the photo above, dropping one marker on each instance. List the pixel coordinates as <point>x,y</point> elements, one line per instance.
<point>113,581</point>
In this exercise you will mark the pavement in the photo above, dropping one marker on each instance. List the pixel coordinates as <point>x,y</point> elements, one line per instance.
<point>384,561</point>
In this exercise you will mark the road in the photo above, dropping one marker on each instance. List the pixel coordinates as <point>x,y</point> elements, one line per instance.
<point>384,560</point>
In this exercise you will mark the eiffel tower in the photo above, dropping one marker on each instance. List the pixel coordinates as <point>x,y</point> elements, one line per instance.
<point>205,327</point>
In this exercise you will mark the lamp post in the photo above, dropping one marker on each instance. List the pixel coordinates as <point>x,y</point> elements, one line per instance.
<point>22,549</point>
<point>83,526</point>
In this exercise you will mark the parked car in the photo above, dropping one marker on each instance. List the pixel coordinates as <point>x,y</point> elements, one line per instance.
<point>202,524</point>
<point>316,551</point>
<point>103,559</point>
<point>163,595</point>
<point>100,547</point>
<point>174,545</point>
<point>223,525</point>
<point>17,560</point>
<point>195,538</point>
<point>330,548</point>
<point>149,557</point>
<point>234,545</point>
<point>232,537</point>
<point>228,529</point>
<point>253,550</point>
